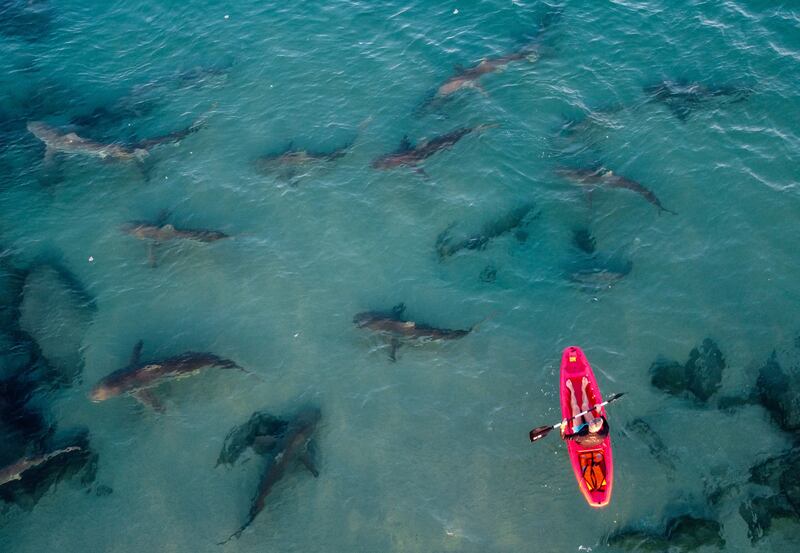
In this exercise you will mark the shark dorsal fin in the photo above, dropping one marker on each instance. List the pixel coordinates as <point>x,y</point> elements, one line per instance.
<point>147,398</point>
<point>136,353</point>
<point>405,144</point>
<point>398,310</point>
<point>163,215</point>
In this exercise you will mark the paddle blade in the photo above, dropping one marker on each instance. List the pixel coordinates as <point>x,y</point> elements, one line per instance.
<point>615,397</point>
<point>539,432</point>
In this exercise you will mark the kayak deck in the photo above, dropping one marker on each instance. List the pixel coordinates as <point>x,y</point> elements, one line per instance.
<point>593,466</point>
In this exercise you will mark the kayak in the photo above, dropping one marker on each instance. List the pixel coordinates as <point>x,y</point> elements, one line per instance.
<point>593,466</point>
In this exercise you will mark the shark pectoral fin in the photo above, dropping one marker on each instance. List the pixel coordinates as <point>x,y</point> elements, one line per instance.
<point>309,464</point>
<point>49,155</point>
<point>421,172</point>
<point>149,399</point>
<point>588,194</point>
<point>479,87</point>
<point>264,444</point>
<point>136,353</point>
<point>681,111</point>
<point>394,345</point>
<point>151,254</point>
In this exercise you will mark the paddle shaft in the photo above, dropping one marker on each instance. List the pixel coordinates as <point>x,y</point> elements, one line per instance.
<point>542,431</point>
<point>598,406</point>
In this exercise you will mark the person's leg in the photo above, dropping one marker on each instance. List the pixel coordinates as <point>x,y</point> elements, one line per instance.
<point>573,402</point>
<point>585,389</point>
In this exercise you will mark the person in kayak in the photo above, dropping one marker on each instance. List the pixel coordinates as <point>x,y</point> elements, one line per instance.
<point>588,431</point>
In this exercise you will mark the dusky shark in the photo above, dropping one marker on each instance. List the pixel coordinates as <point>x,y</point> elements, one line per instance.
<point>683,97</point>
<point>164,233</point>
<point>468,77</point>
<point>138,379</point>
<point>294,162</point>
<point>159,232</point>
<point>409,155</point>
<point>598,278</point>
<point>606,178</point>
<point>397,329</point>
<point>60,141</point>
<point>15,470</point>
<point>291,447</point>
<point>515,220</point>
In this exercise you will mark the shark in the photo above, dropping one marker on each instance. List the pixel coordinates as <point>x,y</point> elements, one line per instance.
<point>609,179</point>
<point>67,142</point>
<point>138,379</point>
<point>408,155</point>
<point>15,470</point>
<point>290,448</point>
<point>397,329</point>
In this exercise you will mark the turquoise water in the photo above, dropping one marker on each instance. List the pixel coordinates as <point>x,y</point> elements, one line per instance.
<point>428,453</point>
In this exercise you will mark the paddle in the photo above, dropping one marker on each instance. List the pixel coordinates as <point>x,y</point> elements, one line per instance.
<point>541,431</point>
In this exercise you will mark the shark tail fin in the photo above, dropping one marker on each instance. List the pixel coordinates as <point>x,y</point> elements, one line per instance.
<point>201,121</point>
<point>485,127</point>
<point>235,534</point>
<point>228,364</point>
<point>487,318</point>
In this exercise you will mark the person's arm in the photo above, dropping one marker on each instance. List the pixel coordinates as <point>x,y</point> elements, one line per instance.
<point>564,435</point>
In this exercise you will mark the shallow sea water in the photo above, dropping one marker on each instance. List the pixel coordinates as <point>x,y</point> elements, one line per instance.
<point>429,453</point>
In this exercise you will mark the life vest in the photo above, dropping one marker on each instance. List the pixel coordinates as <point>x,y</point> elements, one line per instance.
<point>593,466</point>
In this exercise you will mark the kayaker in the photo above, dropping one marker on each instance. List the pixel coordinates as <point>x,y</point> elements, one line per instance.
<point>588,430</point>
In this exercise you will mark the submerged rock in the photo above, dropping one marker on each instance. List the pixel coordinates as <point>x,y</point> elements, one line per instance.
<point>779,392</point>
<point>654,443</point>
<point>779,474</point>
<point>584,241</point>
<point>704,370</point>
<point>683,533</point>
<point>56,312</point>
<point>689,533</point>
<point>30,20</point>
<point>23,424</point>
<point>701,376</point>
<point>669,376</point>
<point>489,274</point>
<point>638,540</point>
<point>79,465</point>
<point>260,432</point>
<point>759,513</point>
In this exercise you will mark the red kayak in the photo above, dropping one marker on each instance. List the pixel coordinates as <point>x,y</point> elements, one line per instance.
<point>593,466</point>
